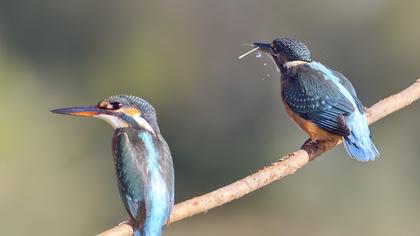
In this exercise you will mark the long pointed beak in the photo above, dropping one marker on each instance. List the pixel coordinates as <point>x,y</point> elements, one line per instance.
<point>264,47</point>
<point>78,111</point>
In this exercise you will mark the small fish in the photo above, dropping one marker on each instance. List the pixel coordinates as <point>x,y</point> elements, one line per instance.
<point>253,50</point>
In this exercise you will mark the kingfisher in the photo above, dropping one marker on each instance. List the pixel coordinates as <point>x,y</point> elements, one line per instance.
<point>143,161</point>
<point>322,101</point>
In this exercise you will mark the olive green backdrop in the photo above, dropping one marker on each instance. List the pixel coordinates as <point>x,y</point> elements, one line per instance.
<point>221,117</point>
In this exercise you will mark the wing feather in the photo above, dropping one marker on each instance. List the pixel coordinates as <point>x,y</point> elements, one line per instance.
<point>315,98</point>
<point>129,174</point>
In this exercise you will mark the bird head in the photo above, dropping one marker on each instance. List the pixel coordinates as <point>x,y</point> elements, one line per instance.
<point>285,50</point>
<point>120,111</point>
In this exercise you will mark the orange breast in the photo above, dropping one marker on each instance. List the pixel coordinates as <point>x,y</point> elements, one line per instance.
<point>308,126</point>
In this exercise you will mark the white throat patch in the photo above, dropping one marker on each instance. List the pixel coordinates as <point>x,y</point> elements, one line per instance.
<point>115,122</point>
<point>291,64</point>
<point>143,123</point>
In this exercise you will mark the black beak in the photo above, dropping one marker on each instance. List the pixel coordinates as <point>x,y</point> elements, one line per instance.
<point>264,47</point>
<point>79,111</point>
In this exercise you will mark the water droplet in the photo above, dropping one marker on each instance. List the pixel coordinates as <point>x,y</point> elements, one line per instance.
<point>265,64</point>
<point>258,54</point>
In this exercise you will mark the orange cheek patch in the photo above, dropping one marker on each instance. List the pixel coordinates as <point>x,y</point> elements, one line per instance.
<point>131,111</point>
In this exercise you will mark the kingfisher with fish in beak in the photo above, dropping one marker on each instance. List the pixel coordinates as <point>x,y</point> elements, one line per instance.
<point>143,161</point>
<point>320,100</point>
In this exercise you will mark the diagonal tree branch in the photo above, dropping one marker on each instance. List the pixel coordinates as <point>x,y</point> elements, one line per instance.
<point>287,165</point>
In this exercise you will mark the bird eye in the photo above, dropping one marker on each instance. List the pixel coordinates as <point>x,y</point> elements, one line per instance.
<point>116,105</point>
<point>274,48</point>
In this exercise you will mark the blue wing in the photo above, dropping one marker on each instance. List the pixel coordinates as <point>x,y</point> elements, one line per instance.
<point>347,84</point>
<point>128,158</point>
<point>315,98</point>
<point>145,177</point>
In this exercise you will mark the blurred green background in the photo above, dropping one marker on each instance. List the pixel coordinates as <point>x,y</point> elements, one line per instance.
<point>222,117</point>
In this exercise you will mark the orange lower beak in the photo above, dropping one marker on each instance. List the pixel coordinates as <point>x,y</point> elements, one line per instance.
<point>78,111</point>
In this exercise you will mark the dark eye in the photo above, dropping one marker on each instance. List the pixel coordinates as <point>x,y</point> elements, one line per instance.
<point>116,105</point>
<point>275,49</point>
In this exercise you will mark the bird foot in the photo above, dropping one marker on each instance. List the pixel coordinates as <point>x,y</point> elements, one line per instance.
<point>309,145</point>
<point>310,142</point>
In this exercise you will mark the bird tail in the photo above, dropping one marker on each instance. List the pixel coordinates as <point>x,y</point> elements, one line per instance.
<point>361,151</point>
<point>359,144</point>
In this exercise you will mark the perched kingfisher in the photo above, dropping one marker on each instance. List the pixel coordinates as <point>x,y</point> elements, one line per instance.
<point>143,161</point>
<point>320,100</point>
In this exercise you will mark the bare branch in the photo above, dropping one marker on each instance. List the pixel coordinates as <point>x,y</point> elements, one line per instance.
<point>287,165</point>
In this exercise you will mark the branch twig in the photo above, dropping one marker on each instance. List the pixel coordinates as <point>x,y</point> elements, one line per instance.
<point>287,165</point>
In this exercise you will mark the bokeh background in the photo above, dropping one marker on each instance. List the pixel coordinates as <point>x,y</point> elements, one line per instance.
<point>221,116</point>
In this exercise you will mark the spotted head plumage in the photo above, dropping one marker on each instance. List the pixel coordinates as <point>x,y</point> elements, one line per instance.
<point>132,107</point>
<point>285,50</point>
<point>291,49</point>
<point>120,111</point>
